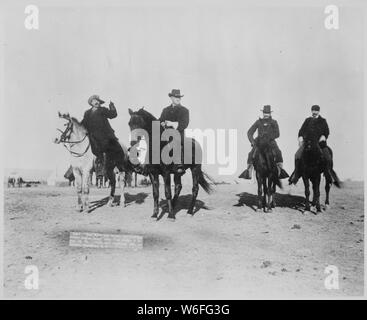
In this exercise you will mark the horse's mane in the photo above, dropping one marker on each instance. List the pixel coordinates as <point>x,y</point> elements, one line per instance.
<point>76,121</point>
<point>145,114</point>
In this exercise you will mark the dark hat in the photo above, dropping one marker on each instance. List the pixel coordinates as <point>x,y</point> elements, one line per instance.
<point>267,109</point>
<point>95,96</point>
<point>175,93</point>
<point>315,107</point>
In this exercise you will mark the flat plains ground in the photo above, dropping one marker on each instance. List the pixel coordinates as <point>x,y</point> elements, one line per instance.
<point>226,250</point>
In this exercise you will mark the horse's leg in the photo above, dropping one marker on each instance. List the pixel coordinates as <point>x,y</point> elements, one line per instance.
<point>316,192</point>
<point>121,177</point>
<point>154,178</point>
<point>79,188</point>
<point>195,188</point>
<point>307,193</point>
<point>86,178</point>
<point>265,195</point>
<point>270,194</point>
<point>168,193</point>
<point>178,187</point>
<point>112,179</point>
<point>259,193</point>
<point>273,190</point>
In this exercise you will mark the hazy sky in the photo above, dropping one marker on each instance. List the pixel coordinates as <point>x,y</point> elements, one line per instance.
<point>228,61</point>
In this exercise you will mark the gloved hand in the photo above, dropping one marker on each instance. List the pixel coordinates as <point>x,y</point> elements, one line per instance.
<point>300,141</point>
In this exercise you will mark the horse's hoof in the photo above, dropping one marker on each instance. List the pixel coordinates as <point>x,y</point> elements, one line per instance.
<point>111,204</point>
<point>172,219</point>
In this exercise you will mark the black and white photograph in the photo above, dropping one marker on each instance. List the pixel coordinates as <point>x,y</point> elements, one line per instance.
<point>182,150</point>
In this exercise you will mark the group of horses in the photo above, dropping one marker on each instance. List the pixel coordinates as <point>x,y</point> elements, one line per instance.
<point>75,139</point>
<point>15,182</point>
<point>312,166</point>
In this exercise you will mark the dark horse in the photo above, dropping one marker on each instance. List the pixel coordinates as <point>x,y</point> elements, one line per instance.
<point>142,119</point>
<point>267,175</point>
<point>312,165</point>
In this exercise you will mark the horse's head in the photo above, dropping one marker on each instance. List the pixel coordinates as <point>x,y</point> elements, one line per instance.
<point>140,119</point>
<point>71,126</point>
<point>263,143</point>
<point>312,154</point>
<point>137,120</point>
<point>310,144</point>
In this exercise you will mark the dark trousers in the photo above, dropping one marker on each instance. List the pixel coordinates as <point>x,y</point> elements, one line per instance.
<point>274,147</point>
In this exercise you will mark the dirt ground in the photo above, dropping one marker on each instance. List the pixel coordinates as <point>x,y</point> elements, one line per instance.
<point>225,251</point>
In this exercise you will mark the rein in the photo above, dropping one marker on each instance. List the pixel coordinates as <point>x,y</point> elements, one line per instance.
<point>64,140</point>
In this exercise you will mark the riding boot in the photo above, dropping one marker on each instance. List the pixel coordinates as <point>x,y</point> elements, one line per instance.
<point>282,174</point>
<point>296,173</point>
<point>247,174</point>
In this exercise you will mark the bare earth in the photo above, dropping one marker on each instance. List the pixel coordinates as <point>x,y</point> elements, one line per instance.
<point>226,251</point>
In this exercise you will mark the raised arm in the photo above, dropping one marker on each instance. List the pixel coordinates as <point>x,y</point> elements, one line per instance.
<point>111,112</point>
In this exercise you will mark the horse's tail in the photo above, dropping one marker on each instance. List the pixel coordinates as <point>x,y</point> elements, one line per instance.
<point>205,181</point>
<point>336,179</point>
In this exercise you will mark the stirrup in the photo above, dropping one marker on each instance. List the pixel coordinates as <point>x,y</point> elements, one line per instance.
<point>283,174</point>
<point>245,175</point>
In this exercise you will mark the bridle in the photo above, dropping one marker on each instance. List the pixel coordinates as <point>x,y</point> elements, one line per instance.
<point>65,140</point>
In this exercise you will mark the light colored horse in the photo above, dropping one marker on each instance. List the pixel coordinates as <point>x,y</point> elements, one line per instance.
<point>76,141</point>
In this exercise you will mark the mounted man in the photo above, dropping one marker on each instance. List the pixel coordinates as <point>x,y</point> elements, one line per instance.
<point>317,127</point>
<point>101,134</point>
<point>176,116</point>
<point>267,129</point>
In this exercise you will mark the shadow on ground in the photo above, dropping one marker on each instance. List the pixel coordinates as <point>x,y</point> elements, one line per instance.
<point>281,200</point>
<point>183,203</point>
<point>138,198</point>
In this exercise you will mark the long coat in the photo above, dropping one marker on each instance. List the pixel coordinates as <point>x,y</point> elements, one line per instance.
<point>315,127</point>
<point>266,128</point>
<point>96,122</point>
<point>178,114</point>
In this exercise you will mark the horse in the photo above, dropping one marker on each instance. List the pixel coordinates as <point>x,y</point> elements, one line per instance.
<point>142,119</point>
<point>20,182</point>
<point>11,182</point>
<point>313,165</point>
<point>75,139</point>
<point>267,175</point>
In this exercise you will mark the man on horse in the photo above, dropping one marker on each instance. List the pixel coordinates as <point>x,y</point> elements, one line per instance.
<point>268,129</point>
<point>176,116</point>
<point>317,127</point>
<point>101,134</point>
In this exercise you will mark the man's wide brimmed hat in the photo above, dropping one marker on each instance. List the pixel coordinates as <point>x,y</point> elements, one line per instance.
<point>95,96</point>
<point>175,93</point>
<point>267,109</point>
<point>315,107</point>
